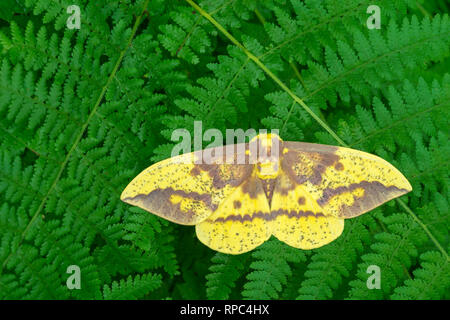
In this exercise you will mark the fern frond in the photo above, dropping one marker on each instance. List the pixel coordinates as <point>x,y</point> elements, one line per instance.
<point>365,60</point>
<point>132,287</point>
<point>431,280</point>
<point>331,264</point>
<point>271,265</point>
<point>224,272</point>
<point>394,252</point>
<point>146,232</point>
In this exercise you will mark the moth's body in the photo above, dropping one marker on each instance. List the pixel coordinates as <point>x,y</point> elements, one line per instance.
<point>268,161</point>
<point>299,192</point>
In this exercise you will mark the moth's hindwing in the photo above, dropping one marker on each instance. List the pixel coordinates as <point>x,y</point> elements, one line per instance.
<point>241,223</point>
<point>182,191</point>
<point>297,218</point>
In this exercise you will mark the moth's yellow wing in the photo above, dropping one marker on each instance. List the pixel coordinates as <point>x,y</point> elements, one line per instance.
<point>242,221</point>
<point>297,218</point>
<point>344,182</point>
<point>182,191</point>
<point>319,186</point>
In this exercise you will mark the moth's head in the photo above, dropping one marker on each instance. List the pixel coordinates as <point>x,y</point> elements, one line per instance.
<point>265,148</point>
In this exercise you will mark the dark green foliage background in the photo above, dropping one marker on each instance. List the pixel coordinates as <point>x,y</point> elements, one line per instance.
<point>82,112</point>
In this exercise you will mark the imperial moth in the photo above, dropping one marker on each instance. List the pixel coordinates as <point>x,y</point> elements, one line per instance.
<point>301,196</point>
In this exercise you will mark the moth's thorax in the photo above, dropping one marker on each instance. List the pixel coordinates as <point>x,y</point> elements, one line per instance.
<point>268,169</point>
<point>265,151</point>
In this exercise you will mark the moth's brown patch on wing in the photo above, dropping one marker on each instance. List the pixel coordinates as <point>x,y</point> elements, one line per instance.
<point>159,200</point>
<point>195,171</point>
<point>371,188</point>
<point>339,166</point>
<point>285,191</point>
<point>226,165</point>
<point>237,204</point>
<point>309,147</point>
<point>284,185</point>
<point>375,193</point>
<point>269,216</point>
<point>252,189</point>
<point>240,218</point>
<point>307,162</point>
<point>294,213</point>
<point>268,186</point>
<point>301,200</point>
<point>226,174</point>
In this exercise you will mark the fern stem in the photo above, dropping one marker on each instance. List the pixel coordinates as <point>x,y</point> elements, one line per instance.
<point>188,36</point>
<point>259,16</point>
<point>423,10</point>
<point>307,109</point>
<point>288,116</point>
<point>405,270</point>
<point>80,135</point>
<point>298,75</point>
<point>236,76</point>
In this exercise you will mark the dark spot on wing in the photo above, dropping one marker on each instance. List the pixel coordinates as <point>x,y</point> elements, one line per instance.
<point>252,187</point>
<point>195,171</point>
<point>339,166</point>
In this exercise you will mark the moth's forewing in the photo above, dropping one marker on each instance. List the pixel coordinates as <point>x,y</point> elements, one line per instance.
<point>344,182</point>
<point>186,189</point>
